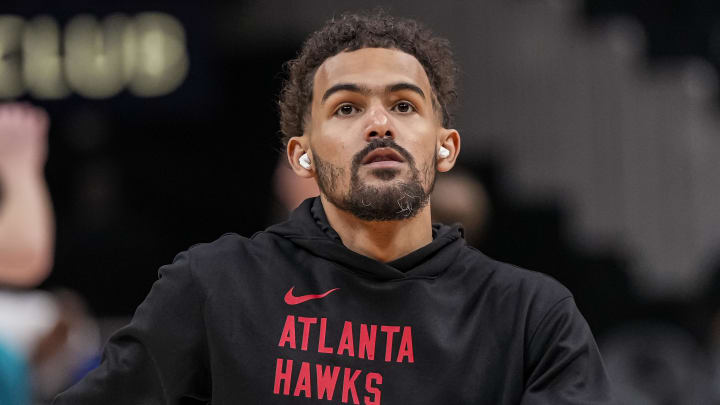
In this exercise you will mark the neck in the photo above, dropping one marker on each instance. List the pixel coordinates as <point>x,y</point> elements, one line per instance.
<point>383,241</point>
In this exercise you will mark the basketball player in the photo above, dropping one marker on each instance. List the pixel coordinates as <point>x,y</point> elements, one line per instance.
<point>357,298</point>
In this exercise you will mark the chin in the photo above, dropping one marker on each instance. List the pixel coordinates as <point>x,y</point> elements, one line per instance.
<point>384,174</point>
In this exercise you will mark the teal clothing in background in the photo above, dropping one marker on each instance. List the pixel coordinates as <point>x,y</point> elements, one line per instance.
<point>14,386</point>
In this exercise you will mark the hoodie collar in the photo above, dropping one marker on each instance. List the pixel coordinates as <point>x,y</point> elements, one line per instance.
<point>309,228</point>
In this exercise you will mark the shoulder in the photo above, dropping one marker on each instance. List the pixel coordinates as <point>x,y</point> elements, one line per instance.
<point>524,295</point>
<point>229,253</point>
<point>507,277</point>
<point>207,258</point>
<point>231,243</point>
<point>225,244</point>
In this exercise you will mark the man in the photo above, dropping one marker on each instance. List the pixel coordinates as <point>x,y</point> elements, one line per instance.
<point>26,244</point>
<point>358,298</point>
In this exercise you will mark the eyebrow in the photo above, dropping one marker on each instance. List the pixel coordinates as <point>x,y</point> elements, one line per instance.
<point>405,86</point>
<point>364,90</point>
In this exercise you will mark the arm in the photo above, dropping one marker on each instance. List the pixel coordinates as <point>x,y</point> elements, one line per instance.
<point>563,363</point>
<point>161,356</point>
<point>26,218</point>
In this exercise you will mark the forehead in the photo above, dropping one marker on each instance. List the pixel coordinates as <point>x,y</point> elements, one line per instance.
<point>374,67</point>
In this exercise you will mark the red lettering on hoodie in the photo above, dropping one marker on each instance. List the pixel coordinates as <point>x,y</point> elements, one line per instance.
<point>321,340</point>
<point>367,342</point>
<point>346,340</point>
<point>306,330</point>
<point>349,386</point>
<point>303,381</point>
<point>406,346</point>
<point>374,391</point>
<point>283,377</point>
<point>389,331</point>
<point>326,381</point>
<point>288,333</point>
<point>346,346</point>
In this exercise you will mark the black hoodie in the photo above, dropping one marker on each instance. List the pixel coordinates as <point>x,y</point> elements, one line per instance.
<point>291,316</point>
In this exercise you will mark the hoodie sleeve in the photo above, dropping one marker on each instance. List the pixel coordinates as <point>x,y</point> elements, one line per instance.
<point>160,357</point>
<point>563,362</point>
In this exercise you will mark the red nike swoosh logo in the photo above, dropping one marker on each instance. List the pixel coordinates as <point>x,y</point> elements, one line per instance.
<point>290,299</point>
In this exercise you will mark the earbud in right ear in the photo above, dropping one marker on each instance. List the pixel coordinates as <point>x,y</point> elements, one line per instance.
<point>304,161</point>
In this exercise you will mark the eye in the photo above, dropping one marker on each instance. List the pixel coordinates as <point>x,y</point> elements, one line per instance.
<point>404,107</point>
<point>346,110</point>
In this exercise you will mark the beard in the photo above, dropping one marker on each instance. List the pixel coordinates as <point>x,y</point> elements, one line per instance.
<point>396,200</point>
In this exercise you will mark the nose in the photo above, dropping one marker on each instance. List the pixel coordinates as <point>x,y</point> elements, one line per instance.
<point>378,124</point>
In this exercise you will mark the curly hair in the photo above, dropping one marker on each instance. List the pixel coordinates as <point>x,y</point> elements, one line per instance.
<point>351,32</point>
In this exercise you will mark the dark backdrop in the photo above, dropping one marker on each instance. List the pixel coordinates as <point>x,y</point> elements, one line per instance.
<point>136,180</point>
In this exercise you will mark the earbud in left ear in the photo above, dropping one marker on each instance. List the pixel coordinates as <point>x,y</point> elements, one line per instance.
<point>443,153</point>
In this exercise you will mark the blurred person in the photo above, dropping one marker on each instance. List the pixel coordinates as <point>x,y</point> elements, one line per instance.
<point>26,243</point>
<point>26,318</point>
<point>460,197</point>
<point>357,297</point>
<point>50,341</point>
<point>14,385</point>
<point>26,218</point>
<point>68,350</point>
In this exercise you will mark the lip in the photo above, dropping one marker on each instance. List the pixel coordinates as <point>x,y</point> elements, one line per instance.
<point>383,164</point>
<point>383,157</point>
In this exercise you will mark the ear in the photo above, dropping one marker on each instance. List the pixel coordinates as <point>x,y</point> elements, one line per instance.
<point>450,140</point>
<point>296,147</point>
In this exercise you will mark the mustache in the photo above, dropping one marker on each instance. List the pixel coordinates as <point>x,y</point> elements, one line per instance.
<point>382,143</point>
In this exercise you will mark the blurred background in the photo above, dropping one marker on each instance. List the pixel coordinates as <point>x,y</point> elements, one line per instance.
<point>591,152</point>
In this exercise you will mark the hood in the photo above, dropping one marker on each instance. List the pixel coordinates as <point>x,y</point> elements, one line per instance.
<point>309,229</point>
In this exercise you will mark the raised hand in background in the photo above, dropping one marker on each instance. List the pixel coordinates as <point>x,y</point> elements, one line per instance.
<point>26,216</point>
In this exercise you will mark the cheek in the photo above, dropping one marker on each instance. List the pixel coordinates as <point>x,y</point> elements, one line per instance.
<point>420,139</point>
<point>429,167</point>
<point>423,148</point>
<point>337,143</point>
<point>419,129</point>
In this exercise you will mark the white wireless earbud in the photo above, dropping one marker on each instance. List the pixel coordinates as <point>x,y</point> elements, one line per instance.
<point>443,153</point>
<point>304,161</point>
